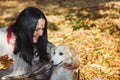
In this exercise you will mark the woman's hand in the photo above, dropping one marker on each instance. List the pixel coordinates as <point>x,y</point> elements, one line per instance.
<point>74,65</point>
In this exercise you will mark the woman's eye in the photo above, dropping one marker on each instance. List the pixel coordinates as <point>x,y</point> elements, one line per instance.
<point>61,53</point>
<point>39,29</point>
<point>36,30</point>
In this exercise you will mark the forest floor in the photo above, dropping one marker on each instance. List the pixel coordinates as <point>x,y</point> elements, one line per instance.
<point>91,29</point>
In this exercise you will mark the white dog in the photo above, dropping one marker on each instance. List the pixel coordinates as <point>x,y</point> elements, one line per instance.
<point>62,55</point>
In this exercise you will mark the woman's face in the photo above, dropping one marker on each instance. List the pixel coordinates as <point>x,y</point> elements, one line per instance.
<point>39,30</point>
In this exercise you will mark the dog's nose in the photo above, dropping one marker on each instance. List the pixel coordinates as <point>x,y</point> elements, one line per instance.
<point>51,61</point>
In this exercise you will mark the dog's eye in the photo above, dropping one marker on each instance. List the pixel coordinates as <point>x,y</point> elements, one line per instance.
<point>54,53</point>
<point>61,53</point>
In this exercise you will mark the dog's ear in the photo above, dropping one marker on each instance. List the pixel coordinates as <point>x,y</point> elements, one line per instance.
<point>72,51</point>
<point>52,51</point>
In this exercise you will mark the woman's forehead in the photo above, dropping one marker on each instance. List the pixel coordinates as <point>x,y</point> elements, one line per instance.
<point>41,23</point>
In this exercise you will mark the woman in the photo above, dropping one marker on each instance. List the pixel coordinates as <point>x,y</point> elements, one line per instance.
<point>26,42</point>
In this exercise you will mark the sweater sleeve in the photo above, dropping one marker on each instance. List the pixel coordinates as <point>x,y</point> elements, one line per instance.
<point>4,48</point>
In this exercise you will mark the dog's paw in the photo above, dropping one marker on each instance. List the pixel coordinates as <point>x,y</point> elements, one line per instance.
<point>5,78</point>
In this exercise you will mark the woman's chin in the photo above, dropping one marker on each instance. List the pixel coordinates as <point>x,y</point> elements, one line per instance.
<point>35,41</point>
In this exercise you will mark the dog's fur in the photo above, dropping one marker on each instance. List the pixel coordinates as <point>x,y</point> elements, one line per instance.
<point>19,68</point>
<point>61,55</point>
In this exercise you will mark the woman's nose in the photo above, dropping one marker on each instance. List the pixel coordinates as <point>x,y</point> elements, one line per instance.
<point>40,32</point>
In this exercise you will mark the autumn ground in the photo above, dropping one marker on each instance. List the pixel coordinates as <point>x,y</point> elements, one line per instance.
<point>90,27</point>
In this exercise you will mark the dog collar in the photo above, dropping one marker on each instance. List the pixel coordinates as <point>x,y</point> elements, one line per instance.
<point>9,30</point>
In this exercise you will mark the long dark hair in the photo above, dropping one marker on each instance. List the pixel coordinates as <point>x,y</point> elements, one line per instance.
<point>24,28</point>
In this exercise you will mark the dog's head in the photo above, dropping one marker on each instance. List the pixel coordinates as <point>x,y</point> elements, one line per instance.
<point>62,54</point>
